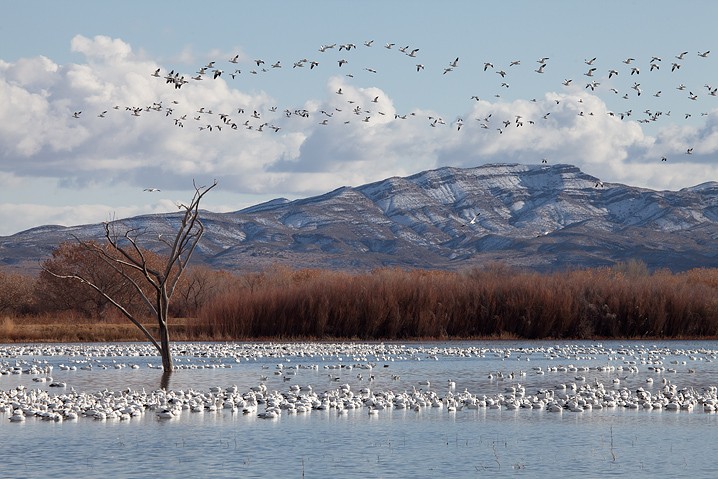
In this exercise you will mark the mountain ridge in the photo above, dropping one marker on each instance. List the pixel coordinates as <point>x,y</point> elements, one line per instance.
<point>542,217</point>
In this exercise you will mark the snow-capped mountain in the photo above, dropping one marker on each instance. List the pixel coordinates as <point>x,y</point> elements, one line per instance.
<point>535,216</point>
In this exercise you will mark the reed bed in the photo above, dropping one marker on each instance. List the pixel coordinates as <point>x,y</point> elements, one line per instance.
<point>625,301</point>
<point>491,302</point>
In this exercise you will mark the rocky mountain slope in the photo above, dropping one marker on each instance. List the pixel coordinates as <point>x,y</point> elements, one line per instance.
<point>535,216</point>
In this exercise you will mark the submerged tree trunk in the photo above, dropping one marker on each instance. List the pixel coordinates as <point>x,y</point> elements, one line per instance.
<point>165,380</point>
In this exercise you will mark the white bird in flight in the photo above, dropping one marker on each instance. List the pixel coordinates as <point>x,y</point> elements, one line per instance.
<point>473,220</point>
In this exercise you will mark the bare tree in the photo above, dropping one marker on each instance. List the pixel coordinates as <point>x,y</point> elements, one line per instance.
<point>16,293</point>
<point>200,285</point>
<point>125,256</point>
<point>56,293</point>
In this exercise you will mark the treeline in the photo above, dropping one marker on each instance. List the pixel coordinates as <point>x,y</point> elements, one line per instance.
<point>625,301</point>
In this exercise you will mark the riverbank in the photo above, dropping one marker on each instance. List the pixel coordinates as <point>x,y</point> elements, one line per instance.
<point>84,330</point>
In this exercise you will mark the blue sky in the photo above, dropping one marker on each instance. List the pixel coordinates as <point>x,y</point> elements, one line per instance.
<point>391,117</point>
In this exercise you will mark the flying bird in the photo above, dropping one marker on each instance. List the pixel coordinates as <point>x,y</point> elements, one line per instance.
<point>473,220</point>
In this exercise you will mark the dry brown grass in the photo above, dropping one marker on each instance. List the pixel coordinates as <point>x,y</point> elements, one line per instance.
<point>69,329</point>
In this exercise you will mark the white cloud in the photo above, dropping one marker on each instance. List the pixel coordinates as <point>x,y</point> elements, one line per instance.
<point>101,48</point>
<point>137,130</point>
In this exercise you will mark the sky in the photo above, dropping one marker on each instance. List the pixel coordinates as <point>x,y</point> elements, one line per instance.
<point>399,87</point>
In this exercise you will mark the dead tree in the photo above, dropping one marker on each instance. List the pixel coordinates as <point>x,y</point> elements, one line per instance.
<point>154,285</point>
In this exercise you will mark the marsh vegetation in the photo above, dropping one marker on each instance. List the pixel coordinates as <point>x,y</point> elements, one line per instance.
<point>496,301</point>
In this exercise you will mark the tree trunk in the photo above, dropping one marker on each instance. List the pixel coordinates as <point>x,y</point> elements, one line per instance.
<point>165,380</point>
<point>162,317</point>
<point>167,364</point>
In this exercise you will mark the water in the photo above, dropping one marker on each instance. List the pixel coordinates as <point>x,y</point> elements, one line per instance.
<point>392,443</point>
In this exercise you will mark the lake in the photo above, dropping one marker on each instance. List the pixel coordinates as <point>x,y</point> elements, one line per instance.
<point>417,409</point>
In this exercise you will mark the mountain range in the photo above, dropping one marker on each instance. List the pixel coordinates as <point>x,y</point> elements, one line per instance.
<point>540,217</point>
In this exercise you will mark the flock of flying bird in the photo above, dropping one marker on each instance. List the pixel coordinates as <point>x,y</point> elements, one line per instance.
<point>348,107</point>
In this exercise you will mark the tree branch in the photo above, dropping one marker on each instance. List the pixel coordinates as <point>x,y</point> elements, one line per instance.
<point>122,309</point>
